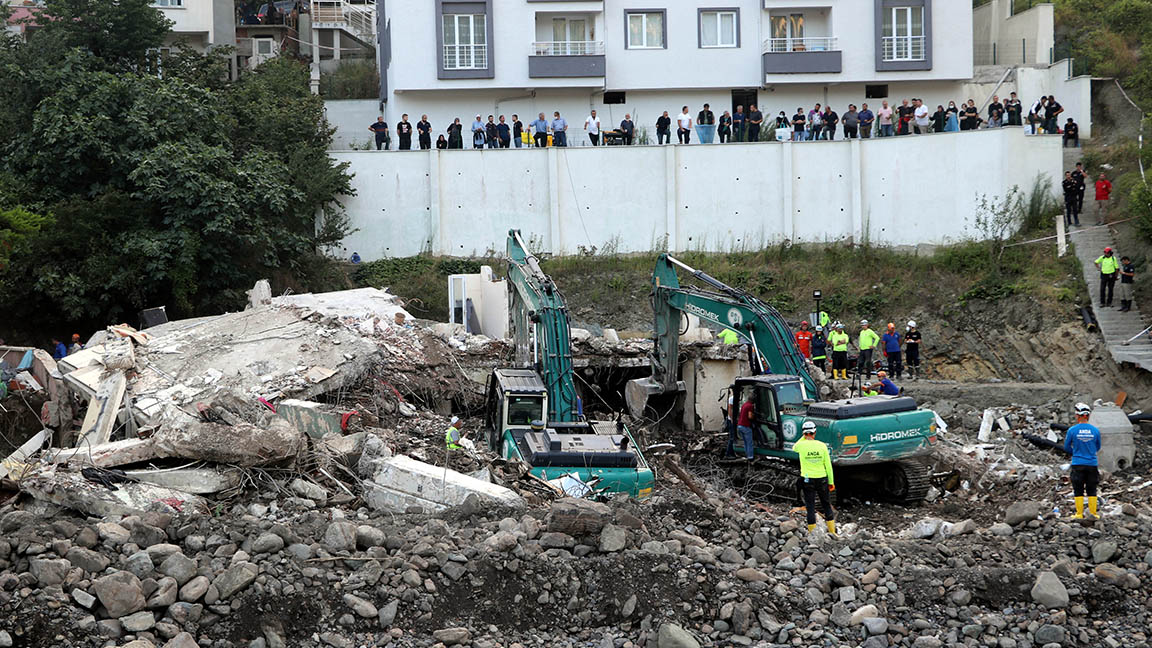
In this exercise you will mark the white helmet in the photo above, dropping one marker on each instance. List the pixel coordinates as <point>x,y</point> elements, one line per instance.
<point>863,322</point>
<point>911,323</point>
<point>1082,409</point>
<point>808,428</point>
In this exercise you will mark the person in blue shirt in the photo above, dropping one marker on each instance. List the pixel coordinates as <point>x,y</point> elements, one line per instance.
<point>355,257</point>
<point>540,131</point>
<point>1083,442</point>
<point>559,130</point>
<point>885,385</point>
<point>891,341</point>
<point>59,350</point>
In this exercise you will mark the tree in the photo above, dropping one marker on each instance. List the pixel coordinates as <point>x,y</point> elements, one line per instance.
<point>117,32</point>
<point>147,208</point>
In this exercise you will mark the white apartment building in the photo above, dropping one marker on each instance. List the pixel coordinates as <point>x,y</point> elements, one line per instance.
<point>200,24</point>
<point>453,59</point>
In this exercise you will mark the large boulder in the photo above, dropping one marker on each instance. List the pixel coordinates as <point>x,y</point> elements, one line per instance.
<point>1049,591</point>
<point>673,636</point>
<point>120,593</point>
<point>1020,512</point>
<point>578,517</point>
<point>242,444</point>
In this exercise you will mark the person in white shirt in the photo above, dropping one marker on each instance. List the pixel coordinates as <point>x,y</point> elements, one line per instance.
<point>922,120</point>
<point>592,125</point>
<point>684,127</point>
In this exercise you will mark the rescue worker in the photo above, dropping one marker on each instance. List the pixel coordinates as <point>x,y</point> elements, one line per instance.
<point>453,435</point>
<point>1083,442</point>
<point>819,348</point>
<point>804,339</point>
<point>1109,272</point>
<point>892,341</point>
<point>816,478</point>
<point>884,385</point>
<point>728,336</point>
<point>839,341</point>
<point>822,319</point>
<point>866,343</point>
<point>912,350</point>
<point>744,422</point>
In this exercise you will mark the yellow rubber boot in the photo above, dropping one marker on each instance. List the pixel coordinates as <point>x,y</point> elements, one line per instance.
<point>831,526</point>
<point>811,528</point>
<point>1080,507</point>
<point>1092,505</point>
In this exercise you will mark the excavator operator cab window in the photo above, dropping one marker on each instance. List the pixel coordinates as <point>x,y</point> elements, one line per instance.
<point>522,410</point>
<point>767,415</point>
<point>790,393</point>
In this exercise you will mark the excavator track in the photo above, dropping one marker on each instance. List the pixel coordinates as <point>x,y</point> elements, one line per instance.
<point>906,481</point>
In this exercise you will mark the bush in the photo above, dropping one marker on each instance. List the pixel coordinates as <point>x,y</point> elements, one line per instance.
<point>352,80</point>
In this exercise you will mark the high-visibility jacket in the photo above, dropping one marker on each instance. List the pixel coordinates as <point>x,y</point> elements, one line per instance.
<point>868,339</point>
<point>451,436</point>
<point>822,319</point>
<point>839,340</point>
<point>815,462</point>
<point>1108,264</point>
<point>728,336</point>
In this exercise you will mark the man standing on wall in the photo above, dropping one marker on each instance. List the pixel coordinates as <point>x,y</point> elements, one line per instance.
<point>627,129</point>
<point>1012,109</point>
<point>923,124</point>
<point>559,130</point>
<point>478,136</point>
<point>503,133</point>
<point>404,132</point>
<point>851,122</point>
<point>830,119</point>
<point>684,127</point>
<point>491,133</point>
<point>540,131</point>
<point>867,118</point>
<point>517,131</point>
<point>798,122</point>
<point>738,124</point>
<point>755,118</point>
<point>664,129</point>
<point>884,115</point>
<point>592,125</point>
<point>706,125</point>
<point>380,128</point>
<point>424,130</point>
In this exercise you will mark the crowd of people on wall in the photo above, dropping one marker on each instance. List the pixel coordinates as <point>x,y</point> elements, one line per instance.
<point>911,117</point>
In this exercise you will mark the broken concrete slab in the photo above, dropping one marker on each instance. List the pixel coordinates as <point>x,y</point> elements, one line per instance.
<point>360,303</point>
<point>401,482</point>
<point>260,295</point>
<point>244,444</point>
<point>311,418</point>
<point>115,453</point>
<point>103,410</point>
<point>1117,448</point>
<point>119,354</point>
<point>71,490</point>
<point>16,463</point>
<point>198,481</point>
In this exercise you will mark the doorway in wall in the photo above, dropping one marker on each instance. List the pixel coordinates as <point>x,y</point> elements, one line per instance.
<point>743,98</point>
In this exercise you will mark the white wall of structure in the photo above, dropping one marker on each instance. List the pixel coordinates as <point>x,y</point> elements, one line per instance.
<point>907,191</point>
<point>1026,38</point>
<point>351,118</point>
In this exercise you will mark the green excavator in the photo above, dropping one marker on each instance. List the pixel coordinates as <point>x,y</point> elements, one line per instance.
<point>534,412</point>
<point>875,441</point>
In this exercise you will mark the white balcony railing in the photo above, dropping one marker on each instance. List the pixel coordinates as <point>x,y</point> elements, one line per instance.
<point>903,48</point>
<point>465,57</point>
<point>810,44</point>
<point>357,19</point>
<point>567,48</point>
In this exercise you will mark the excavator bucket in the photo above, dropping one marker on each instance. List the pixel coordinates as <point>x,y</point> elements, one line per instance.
<point>639,391</point>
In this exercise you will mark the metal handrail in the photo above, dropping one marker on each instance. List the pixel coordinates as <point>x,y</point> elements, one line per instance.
<point>808,44</point>
<point>465,57</point>
<point>904,48</point>
<point>567,48</point>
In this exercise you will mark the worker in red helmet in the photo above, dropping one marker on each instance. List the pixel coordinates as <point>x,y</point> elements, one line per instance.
<point>1109,272</point>
<point>804,339</point>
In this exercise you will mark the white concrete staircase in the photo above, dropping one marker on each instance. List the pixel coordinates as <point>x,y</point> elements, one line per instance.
<point>1116,327</point>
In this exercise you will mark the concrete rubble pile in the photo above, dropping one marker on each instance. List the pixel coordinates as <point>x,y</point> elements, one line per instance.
<point>189,407</point>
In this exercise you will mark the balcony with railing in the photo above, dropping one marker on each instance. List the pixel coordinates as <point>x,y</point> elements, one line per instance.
<point>566,59</point>
<point>358,20</point>
<point>810,55</point>
<point>904,48</point>
<point>465,57</point>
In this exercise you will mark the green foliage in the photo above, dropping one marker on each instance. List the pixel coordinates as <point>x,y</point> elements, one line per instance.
<point>1109,38</point>
<point>352,80</point>
<point>17,226</point>
<point>991,287</point>
<point>179,189</point>
<point>1038,207</point>
<point>1140,205</point>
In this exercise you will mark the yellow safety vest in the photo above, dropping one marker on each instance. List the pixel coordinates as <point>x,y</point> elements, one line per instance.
<point>868,339</point>
<point>1108,264</point>
<point>838,340</point>
<point>823,320</point>
<point>451,436</point>
<point>815,462</point>
<point>728,336</point>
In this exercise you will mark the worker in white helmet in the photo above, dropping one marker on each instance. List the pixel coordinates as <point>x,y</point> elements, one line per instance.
<point>912,350</point>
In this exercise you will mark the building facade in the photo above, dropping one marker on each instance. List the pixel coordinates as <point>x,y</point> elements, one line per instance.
<point>641,57</point>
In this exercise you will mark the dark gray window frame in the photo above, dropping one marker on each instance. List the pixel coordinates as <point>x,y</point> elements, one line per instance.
<point>451,7</point>
<point>898,66</point>
<point>700,26</point>
<point>663,25</point>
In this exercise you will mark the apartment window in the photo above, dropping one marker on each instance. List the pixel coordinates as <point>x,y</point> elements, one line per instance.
<point>719,28</point>
<point>646,30</point>
<point>167,3</point>
<point>878,91</point>
<point>903,34</point>
<point>615,97</point>
<point>465,42</point>
<point>787,33</point>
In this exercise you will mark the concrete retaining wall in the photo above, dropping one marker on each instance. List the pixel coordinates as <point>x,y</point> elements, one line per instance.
<point>908,191</point>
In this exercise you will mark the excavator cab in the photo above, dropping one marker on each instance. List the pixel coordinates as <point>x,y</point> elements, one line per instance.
<point>774,396</point>
<point>516,397</point>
